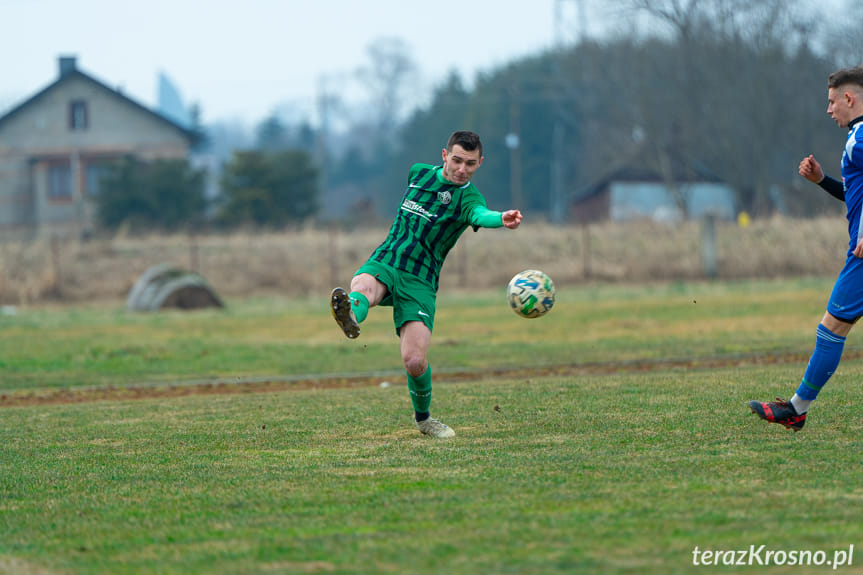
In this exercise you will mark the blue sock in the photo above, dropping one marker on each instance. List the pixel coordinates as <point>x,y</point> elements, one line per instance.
<point>822,363</point>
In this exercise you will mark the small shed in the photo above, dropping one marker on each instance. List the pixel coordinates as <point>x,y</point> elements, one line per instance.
<point>632,193</point>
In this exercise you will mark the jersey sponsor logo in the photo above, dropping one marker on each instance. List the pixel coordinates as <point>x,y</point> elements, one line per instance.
<point>414,208</point>
<point>444,197</point>
<point>422,313</point>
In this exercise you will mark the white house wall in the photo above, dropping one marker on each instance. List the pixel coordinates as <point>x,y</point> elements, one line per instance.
<point>40,132</point>
<point>631,200</point>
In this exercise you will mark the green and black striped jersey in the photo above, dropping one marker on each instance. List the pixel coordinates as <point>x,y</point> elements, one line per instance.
<point>432,216</point>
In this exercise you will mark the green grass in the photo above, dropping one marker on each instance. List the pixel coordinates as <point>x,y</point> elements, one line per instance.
<point>619,473</point>
<point>272,338</point>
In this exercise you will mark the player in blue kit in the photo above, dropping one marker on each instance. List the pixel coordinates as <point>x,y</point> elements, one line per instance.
<point>845,307</point>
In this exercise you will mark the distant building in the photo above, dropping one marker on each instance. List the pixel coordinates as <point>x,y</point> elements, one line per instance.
<point>632,193</point>
<point>55,146</point>
<point>170,103</point>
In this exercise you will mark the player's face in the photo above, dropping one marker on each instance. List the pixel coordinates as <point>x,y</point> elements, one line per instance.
<point>837,106</point>
<point>460,164</point>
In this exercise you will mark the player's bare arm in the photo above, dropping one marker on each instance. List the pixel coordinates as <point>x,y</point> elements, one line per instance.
<point>511,219</point>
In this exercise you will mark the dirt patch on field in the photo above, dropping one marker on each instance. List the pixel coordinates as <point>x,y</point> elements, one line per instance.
<point>160,391</point>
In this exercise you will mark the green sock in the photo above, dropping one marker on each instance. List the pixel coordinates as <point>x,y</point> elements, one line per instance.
<point>360,305</point>
<point>421,390</point>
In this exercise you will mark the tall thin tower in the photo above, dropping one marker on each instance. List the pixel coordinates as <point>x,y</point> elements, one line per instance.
<point>570,29</point>
<point>570,22</point>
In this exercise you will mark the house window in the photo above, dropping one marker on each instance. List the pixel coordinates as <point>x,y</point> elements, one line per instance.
<point>60,182</point>
<point>78,115</point>
<point>94,175</point>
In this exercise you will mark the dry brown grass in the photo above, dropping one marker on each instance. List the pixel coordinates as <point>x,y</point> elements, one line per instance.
<point>311,261</point>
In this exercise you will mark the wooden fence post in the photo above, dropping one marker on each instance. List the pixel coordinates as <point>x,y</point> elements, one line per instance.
<point>709,249</point>
<point>55,267</point>
<point>585,233</point>
<point>333,250</point>
<point>194,256</point>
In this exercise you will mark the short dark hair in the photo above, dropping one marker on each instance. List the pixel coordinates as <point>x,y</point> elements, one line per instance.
<point>846,76</point>
<point>469,141</point>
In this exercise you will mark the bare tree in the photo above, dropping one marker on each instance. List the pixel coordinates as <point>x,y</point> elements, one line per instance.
<point>729,82</point>
<point>388,77</point>
<point>843,40</point>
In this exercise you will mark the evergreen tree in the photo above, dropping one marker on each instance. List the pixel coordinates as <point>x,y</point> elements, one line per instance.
<point>164,194</point>
<point>268,189</point>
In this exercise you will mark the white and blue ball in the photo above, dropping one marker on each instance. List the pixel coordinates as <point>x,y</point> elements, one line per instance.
<point>530,293</point>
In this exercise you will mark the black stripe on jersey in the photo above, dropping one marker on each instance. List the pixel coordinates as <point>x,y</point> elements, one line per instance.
<point>414,257</point>
<point>431,237</point>
<point>424,181</point>
<point>410,250</point>
<point>422,177</point>
<point>455,232</point>
<point>399,243</point>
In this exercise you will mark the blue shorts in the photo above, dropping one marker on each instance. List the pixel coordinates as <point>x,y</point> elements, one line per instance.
<point>846,300</point>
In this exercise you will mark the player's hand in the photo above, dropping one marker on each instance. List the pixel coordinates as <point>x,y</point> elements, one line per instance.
<point>858,251</point>
<point>810,169</point>
<point>511,219</point>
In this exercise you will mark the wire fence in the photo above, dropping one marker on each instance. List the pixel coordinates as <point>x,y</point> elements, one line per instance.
<point>312,260</point>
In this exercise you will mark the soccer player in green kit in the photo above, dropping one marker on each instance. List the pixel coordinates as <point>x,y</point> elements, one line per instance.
<point>440,203</point>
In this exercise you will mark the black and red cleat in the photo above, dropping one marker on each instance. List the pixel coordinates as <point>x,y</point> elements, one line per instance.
<point>779,411</point>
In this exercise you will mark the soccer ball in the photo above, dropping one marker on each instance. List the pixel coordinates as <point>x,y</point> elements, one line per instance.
<point>530,293</point>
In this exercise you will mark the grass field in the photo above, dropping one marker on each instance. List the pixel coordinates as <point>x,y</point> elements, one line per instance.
<point>611,436</point>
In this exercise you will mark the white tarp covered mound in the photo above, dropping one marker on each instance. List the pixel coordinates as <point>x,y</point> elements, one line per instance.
<point>165,286</point>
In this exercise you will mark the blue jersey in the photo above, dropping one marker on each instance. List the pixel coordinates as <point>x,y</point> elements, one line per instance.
<point>852,176</point>
<point>846,299</point>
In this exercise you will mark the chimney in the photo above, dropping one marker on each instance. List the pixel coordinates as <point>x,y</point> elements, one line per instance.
<point>68,64</point>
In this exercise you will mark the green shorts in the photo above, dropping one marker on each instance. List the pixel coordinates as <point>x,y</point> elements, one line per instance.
<point>411,298</point>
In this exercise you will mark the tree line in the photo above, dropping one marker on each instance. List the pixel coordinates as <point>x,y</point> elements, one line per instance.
<point>733,88</point>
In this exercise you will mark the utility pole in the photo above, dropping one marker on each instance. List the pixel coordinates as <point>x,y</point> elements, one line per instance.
<point>513,142</point>
<point>323,131</point>
<point>556,200</point>
<point>570,29</point>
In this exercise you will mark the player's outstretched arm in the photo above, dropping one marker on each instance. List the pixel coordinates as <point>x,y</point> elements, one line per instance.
<point>511,219</point>
<point>482,217</point>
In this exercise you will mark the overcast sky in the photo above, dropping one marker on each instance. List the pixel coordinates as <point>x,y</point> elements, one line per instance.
<point>241,59</point>
<point>244,59</point>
